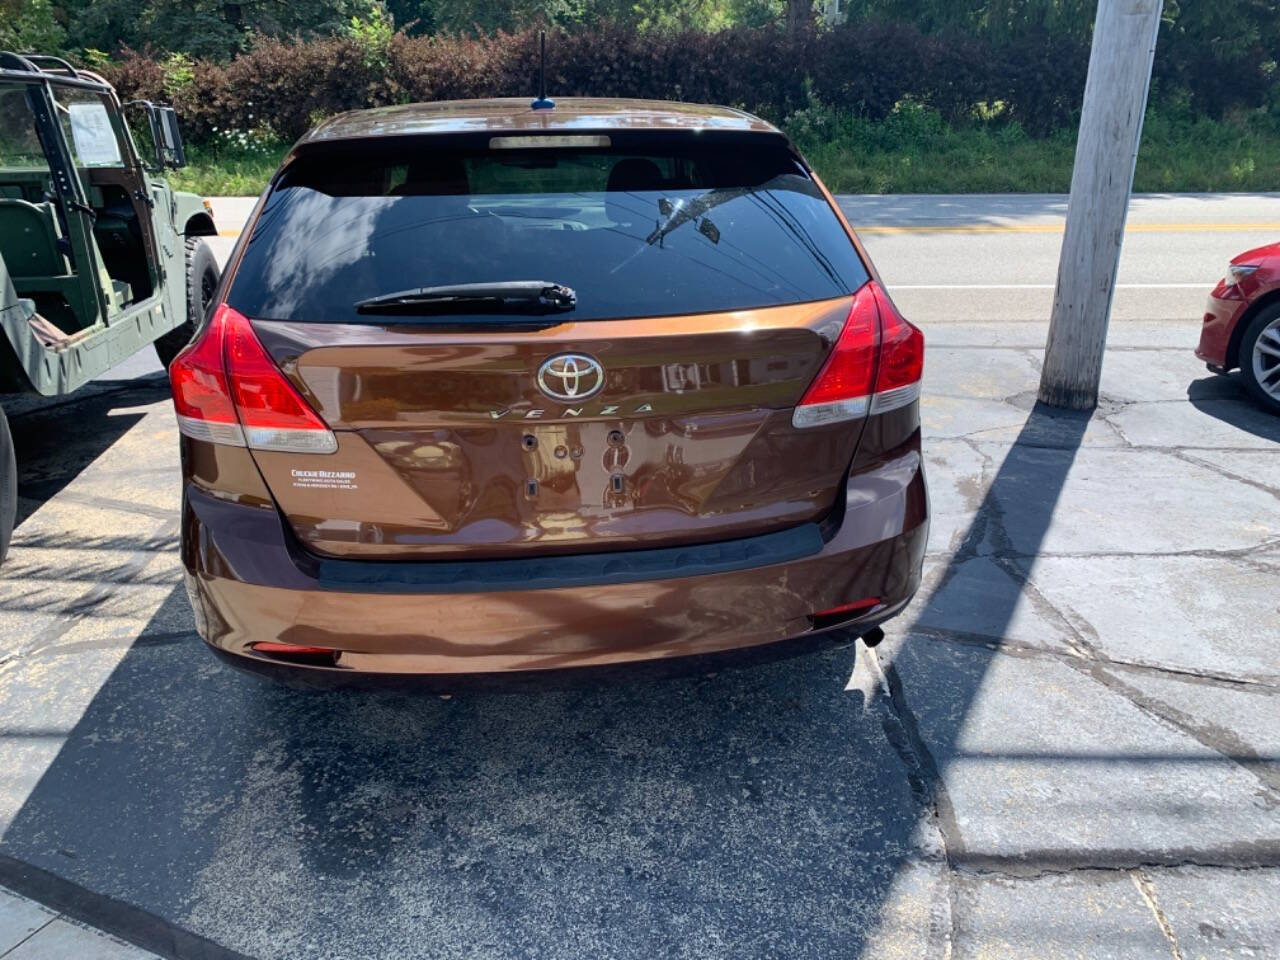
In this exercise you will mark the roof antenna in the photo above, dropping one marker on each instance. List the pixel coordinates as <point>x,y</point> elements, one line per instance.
<point>543,102</point>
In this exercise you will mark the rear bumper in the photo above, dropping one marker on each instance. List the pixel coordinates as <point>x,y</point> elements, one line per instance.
<point>1219,323</point>
<point>249,584</point>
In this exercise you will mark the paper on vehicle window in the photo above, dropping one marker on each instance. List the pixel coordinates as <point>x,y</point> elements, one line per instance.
<point>96,144</point>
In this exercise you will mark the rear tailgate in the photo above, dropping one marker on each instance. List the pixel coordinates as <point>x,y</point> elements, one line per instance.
<point>447,444</point>
<point>710,279</point>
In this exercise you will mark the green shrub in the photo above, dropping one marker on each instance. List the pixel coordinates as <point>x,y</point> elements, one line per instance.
<point>179,74</point>
<point>373,34</point>
<point>1031,84</point>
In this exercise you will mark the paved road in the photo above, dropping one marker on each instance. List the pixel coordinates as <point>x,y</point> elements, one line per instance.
<point>1068,746</point>
<point>997,257</point>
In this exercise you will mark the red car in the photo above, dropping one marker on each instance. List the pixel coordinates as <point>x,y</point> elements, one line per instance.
<point>1242,324</point>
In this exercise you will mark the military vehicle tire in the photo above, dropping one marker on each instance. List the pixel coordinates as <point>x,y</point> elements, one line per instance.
<point>8,485</point>
<point>202,282</point>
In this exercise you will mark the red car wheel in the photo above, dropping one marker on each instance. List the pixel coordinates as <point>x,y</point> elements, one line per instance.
<point>1260,358</point>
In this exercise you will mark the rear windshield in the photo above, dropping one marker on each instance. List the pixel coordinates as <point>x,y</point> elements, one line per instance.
<point>637,226</point>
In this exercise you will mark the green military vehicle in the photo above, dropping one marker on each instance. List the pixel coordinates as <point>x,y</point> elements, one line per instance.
<point>99,256</point>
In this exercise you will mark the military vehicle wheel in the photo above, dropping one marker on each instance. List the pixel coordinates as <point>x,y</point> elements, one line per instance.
<point>8,485</point>
<point>202,281</point>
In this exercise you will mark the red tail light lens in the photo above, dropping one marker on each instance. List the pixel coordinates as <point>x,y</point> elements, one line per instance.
<point>874,366</point>
<point>227,389</point>
<point>901,358</point>
<point>201,395</point>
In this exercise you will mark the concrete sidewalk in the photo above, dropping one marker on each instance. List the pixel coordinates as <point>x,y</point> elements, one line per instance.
<point>29,931</point>
<point>1067,747</point>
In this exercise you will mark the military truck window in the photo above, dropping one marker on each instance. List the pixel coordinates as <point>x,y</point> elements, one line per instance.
<point>87,126</point>
<point>19,145</point>
<point>138,121</point>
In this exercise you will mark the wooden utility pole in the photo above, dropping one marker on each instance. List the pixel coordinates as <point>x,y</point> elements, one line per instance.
<point>1115,98</point>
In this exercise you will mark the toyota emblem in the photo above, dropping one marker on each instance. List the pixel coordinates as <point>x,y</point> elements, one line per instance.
<point>570,377</point>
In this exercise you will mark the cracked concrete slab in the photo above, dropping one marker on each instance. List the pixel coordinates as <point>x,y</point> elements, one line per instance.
<point>1061,433</point>
<point>1253,466</point>
<point>1145,376</point>
<point>1047,768</point>
<point>982,600</point>
<point>1221,914</point>
<point>953,417</point>
<point>959,478</point>
<point>1213,614</point>
<point>1212,422</point>
<point>1238,719</point>
<point>989,374</point>
<point>1044,918</point>
<point>915,920</point>
<point>1127,502</point>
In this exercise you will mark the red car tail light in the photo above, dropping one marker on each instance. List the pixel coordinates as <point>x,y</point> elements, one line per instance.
<point>901,358</point>
<point>874,366</point>
<point>201,395</point>
<point>227,389</point>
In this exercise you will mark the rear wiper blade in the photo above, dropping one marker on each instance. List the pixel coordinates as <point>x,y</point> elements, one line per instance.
<point>512,296</point>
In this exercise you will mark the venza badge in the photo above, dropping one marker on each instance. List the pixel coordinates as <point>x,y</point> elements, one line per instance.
<point>570,377</point>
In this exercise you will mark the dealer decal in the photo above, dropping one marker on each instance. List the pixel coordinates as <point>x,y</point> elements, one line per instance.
<point>325,479</point>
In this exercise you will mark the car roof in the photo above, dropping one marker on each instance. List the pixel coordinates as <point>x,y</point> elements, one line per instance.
<point>514,114</point>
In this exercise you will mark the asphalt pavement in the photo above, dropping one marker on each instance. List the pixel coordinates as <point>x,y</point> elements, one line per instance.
<point>1068,746</point>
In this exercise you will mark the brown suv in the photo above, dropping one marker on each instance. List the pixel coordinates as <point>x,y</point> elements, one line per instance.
<point>489,388</point>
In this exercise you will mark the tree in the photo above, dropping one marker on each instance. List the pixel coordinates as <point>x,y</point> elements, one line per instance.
<point>799,15</point>
<point>204,28</point>
<point>29,25</point>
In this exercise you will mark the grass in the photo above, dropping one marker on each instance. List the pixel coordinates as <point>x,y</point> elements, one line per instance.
<point>915,151</point>
<point>227,172</point>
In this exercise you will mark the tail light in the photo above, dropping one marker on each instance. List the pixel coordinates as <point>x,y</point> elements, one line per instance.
<point>227,389</point>
<point>875,365</point>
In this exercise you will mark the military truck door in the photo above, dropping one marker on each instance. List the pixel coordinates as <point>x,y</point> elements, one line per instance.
<point>66,284</point>
<point>114,181</point>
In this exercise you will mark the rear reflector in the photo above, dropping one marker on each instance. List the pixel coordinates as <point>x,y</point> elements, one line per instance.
<point>227,389</point>
<point>875,365</point>
<point>834,616</point>
<point>302,655</point>
<point>292,649</point>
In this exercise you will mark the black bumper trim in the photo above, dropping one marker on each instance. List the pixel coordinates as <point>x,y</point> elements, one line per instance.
<point>249,540</point>
<point>575,570</point>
